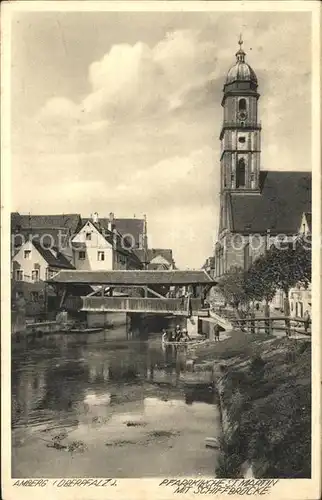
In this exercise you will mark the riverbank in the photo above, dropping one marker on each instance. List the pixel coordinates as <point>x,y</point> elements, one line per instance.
<point>264,387</point>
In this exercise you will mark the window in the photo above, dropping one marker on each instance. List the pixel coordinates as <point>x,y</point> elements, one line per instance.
<point>242,140</point>
<point>242,105</point>
<point>247,257</point>
<point>88,236</point>
<point>100,256</point>
<point>27,254</point>
<point>50,273</point>
<point>241,173</point>
<point>35,275</point>
<point>81,255</point>
<point>19,275</point>
<point>34,296</point>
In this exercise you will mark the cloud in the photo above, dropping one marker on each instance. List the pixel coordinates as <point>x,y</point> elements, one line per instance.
<point>134,80</point>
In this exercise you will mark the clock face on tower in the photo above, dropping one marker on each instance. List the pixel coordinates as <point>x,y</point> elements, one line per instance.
<point>242,115</point>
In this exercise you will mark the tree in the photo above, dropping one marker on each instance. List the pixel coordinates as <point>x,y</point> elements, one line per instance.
<point>231,285</point>
<point>282,267</point>
<point>290,264</point>
<point>260,282</point>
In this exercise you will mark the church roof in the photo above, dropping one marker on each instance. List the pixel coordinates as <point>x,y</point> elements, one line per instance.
<point>284,197</point>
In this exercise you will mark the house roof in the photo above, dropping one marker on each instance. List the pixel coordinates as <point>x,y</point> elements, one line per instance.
<point>279,207</point>
<point>151,253</point>
<point>132,227</point>
<point>132,277</point>
<point>114,238</point>
<point>210,263</point>
<point>61,221</point>
<point>52,258</point>
<point>156,267</point>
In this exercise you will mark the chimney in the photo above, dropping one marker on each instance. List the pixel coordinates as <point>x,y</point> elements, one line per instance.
<point>95,218</point>
<point>110,225</point>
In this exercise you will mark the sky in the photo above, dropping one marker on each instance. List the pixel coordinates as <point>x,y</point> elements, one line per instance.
<point>121,112</point>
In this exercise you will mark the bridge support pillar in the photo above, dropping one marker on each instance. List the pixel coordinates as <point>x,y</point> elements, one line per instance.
<point>193,326</point>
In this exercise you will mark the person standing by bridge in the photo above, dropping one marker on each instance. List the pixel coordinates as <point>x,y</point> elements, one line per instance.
<point>216,332</point>
<point>307,320</point>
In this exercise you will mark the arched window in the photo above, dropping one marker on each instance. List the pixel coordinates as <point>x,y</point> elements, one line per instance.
<point>241,173</point>
<point>242,105</point>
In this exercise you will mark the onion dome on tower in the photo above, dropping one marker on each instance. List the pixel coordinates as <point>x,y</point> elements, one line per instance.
<point>241,75</point>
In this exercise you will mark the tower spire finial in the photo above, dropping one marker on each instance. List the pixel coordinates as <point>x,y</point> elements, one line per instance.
<point>240,54</point>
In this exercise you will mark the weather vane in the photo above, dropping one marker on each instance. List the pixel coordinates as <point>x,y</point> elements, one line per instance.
<point>240,41</point>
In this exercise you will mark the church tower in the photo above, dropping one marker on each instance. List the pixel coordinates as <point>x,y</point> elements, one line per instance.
<point>240,133</point>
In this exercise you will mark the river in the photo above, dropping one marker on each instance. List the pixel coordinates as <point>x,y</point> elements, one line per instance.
<point>88,405</point>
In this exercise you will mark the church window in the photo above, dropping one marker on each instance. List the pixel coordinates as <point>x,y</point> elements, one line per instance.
<point>242,140</point>
<point>242,124</point>
<point>247,257</point>
<point>241,173</point>
<point>242,105</point>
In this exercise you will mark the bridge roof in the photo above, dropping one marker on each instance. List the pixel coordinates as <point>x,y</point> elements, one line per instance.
<point>132,277</point>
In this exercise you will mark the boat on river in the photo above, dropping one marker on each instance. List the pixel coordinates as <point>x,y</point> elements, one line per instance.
<point>86,330</point>
<point>182,343</point>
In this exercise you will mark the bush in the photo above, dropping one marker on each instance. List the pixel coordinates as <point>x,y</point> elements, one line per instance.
<point>257,366</point>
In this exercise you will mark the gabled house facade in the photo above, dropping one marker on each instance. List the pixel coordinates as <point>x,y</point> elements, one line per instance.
<point>33,263</point>
<point>97,247</point>
<point>31,267</point>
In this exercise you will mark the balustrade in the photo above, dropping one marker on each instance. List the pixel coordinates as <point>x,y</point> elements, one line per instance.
<point>140,304</point>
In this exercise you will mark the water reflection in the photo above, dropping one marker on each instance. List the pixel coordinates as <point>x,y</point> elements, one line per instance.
<point>83,385</point>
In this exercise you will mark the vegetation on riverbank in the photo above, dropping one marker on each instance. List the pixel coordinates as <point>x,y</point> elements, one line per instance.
<point>265,393</point>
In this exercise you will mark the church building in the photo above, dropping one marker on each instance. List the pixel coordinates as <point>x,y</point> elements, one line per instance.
<point>255,205</point>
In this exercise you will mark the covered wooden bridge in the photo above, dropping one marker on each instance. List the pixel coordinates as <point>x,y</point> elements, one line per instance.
<point>153,292</point>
